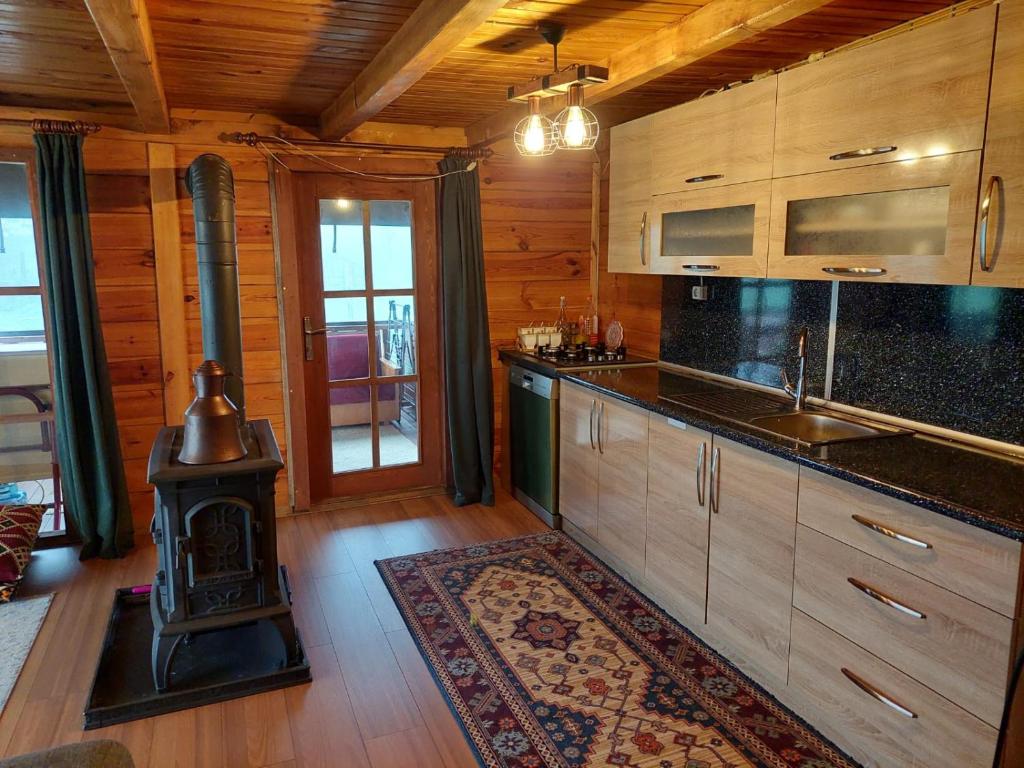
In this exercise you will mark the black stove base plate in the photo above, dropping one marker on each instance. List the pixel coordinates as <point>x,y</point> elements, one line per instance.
<point>218,665</point>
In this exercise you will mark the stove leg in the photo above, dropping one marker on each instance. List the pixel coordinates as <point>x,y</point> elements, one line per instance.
<point>164,647</point>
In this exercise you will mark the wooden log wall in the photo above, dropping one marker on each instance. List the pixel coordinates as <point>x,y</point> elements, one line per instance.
<point>536,215</point>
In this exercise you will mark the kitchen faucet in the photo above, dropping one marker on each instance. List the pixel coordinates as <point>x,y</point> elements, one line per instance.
<point>799,392</point>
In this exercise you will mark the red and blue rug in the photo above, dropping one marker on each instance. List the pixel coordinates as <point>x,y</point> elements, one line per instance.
<point>548,658</point>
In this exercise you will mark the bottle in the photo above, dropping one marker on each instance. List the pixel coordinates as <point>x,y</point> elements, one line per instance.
<point>562,325</point>
<point>591,316</point>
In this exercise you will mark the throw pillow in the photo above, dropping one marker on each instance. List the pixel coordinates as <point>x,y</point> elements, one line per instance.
<point>19,527</point>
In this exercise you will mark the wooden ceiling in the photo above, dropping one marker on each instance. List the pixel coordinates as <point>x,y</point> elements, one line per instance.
<point>295,58</point>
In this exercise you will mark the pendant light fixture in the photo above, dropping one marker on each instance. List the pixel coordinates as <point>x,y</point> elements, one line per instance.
<point>535,133</point>
<point>576,126</point>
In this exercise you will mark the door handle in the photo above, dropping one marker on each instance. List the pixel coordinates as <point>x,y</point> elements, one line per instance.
<point>986,207</point>
<point>643,240</point>
<point>593,407</point>
<point>600,426</point>
<point>700,473</point>
<point>715,481</point>
<point>308,332</point>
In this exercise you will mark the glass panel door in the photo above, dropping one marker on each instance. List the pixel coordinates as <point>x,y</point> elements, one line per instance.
<point>369,300</point>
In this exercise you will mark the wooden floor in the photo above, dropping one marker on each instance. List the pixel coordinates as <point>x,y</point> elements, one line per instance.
<point>372,702</point>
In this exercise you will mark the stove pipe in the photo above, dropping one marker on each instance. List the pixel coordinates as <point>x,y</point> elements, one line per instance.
<point>212,187</point>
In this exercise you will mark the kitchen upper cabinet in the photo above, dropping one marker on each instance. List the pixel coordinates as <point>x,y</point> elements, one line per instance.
<point>913,95</point>
<point>622,487</point>
<point>753,500</point>
<point>678,518</point>
<point>629,191</point>
<point>578,457</point>
<point>720,232</point>
<point>721,139</point>
<point>999,257</point>
<point>910,222</point>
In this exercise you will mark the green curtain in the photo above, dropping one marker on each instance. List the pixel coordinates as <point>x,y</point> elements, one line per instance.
<point>92,473</point>
<point>470,397</point>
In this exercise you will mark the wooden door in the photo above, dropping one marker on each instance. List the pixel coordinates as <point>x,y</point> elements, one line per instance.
<point>577,457</point>
<point>914,95</point>
<point>622,497</point>
<point>1002,260</point>
<point>725,138</point>
<point>906,222</point>
<point>753,499</point>
<point>717,232</point>
<point>629,190</point>
<point>369,294</point>
<point>678,519</point>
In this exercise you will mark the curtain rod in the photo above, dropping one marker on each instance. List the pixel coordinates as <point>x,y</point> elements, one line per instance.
<point>468,153</point>
<point>54,126</point>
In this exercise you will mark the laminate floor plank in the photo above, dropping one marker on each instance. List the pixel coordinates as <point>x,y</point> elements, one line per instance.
<point>404,749</point>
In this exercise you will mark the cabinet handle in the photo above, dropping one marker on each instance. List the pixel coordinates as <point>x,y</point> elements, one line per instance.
<point>986,206</point>
<point>859,271</point>
<point>600,426</point>
<point>702,267</point>
<point>883,598</point>
<point>701,475</point>
<point>865,152</point>
<point>876,694</point>
<point>891,533</point>
<point>643,239</point>
<point>715,481</point>
<point>593,405</point>
<point>708,177</point>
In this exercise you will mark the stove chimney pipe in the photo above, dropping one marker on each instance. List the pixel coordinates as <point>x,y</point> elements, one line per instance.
<point>210,183</point>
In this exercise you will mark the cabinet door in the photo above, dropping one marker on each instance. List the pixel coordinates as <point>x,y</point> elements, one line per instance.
<point>629,191</point>
<point>921,93</point>
<point>725,138</point>
<point>720,232</point>
<point>577,462</point>
<point>1002,260</point>
<point>907,222</point>
<point>622,498</point>
<point>676,570</point>
<point>753,500</point>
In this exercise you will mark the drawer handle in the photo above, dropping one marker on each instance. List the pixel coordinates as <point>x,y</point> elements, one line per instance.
<point>892,534</point>
<point>708,177</point>
<point>702,267</point>
<point>859,271</point>
<point>876,694</point>
<point>885,599</point>
<point>986,207</point>
<point>865,152</point>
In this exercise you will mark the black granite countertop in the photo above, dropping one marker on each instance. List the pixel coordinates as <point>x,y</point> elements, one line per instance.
<point>978,487</point>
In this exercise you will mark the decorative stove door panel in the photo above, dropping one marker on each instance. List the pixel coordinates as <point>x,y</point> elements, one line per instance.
<point>220,564</point>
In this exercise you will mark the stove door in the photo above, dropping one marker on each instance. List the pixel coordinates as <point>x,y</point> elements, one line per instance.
<point>220,564</point>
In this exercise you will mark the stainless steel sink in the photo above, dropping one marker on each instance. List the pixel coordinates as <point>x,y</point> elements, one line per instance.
<point>816,428</point>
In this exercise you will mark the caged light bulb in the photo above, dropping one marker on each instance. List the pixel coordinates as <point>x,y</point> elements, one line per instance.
<point>575,130</point>
<point>533,136</point>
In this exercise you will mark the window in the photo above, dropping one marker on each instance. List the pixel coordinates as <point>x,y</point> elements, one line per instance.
<point>28,455</point>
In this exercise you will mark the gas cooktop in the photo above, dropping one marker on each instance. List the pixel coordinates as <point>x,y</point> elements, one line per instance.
<point>582,357</point>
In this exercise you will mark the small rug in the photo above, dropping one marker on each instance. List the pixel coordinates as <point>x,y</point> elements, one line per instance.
<point>548,658</point>
<point>20,621</point>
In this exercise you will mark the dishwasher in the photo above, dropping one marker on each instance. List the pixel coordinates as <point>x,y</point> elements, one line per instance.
<point>533,442</point>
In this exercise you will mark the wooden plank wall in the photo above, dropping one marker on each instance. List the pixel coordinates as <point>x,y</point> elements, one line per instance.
<point>117,176</point>
<point>536,227</point>
<point>634,300</point>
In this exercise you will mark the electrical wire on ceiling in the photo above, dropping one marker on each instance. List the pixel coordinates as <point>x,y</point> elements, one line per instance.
<point>261,145</point>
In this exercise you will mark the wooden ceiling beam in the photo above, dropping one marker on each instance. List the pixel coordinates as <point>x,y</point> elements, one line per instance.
<point>716,26</point>
<point>433,30</point>
<point>124,27</point>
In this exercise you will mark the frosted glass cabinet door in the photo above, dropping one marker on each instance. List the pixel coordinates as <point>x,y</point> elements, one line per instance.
<point>905,222</point>
<point>717,232</point>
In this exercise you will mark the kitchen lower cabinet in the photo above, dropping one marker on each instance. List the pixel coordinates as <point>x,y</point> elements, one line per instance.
<point>602,478</point>
<point>577,457</point>
<point>678,519</point>
<point>999,248</point>
<point>622,482</point>
<point>753,501</point>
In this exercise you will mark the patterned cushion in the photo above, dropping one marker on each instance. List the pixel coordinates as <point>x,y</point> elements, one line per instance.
<point>19,527</point>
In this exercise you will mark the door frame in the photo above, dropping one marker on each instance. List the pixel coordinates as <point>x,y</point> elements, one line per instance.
<point>287,175</point>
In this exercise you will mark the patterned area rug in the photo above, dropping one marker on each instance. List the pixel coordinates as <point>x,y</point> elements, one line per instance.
<point>550,659</point>
<point>20,621</point>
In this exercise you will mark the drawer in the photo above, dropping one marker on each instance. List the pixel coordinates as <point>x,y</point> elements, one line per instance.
<point>931,732</point>
<point>957,648</point>
<point>977,564</point>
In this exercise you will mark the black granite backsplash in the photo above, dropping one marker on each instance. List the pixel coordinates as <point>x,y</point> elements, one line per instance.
<point>952,356</point>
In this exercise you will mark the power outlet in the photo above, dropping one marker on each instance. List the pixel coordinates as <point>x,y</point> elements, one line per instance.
<point>701,292</point>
